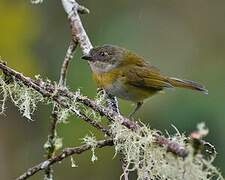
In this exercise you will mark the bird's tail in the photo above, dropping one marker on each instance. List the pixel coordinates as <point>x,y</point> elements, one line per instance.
<point>183,83</point>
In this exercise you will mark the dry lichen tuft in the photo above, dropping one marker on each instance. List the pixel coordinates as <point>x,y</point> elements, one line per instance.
<point>26,99</point>
<point>91,140</point>
<point>151,161</point>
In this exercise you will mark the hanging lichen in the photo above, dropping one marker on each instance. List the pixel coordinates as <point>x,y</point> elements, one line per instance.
<point>26,99</point>
<point>154,162</point>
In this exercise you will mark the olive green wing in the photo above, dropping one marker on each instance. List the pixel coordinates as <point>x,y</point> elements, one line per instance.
<point>146,77</point>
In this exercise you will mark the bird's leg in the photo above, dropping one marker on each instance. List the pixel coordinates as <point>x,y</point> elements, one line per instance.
<point>137,107</point>
<point>112,103</point>
<point>111,100</point>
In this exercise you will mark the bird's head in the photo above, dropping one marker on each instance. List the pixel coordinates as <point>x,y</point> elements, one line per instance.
<point>105,58</point>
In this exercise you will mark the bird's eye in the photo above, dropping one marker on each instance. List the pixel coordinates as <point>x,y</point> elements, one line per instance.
<point>103,54</point>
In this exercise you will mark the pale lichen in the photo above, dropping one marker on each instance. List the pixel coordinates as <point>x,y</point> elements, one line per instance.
<point>57,141</point>
<point>154,162</point>
<point>100,99</point>
<point>77,107</point>
<point>91,140</point>
<point>90,113</point>
<point>73,163</point>
<point>23,97</point>
<point>4,94</point>
<point>26,99</point>
<point>48,177</point>
<point>63,114</point>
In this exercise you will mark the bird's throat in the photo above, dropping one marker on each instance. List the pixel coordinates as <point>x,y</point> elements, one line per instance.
<point>101,67</point>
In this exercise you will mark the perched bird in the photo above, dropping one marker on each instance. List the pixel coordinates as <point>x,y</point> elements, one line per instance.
<point>124,74</point>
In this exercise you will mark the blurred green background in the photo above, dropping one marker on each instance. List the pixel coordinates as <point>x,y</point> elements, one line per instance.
<point>184,38</point>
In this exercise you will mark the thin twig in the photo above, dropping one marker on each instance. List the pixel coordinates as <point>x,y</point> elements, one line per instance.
<point>79,34</point>
<point>74,10</point>
<point>50,149</point>
<point>64,154</point>
<point>64,67</point>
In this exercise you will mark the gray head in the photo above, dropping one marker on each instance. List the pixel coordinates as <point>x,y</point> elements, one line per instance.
<point>104,58</point>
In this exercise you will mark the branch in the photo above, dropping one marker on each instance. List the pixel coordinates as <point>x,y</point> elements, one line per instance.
<point>49,91</point>
<point>64,154</point>
<point>68,57</point>
<point>39,86</point>
<point>172,146</point>
<point>138,143</point>
<point>72,9</point>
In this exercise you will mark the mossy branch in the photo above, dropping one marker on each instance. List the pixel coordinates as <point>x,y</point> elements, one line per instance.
<point>144,150</point>
<point>64,154</point>
<point>136,141</point>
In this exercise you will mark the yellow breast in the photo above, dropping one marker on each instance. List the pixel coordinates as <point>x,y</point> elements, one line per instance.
<point>105,79</point>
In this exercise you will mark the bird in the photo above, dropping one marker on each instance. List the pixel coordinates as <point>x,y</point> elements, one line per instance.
<point>126,75</point>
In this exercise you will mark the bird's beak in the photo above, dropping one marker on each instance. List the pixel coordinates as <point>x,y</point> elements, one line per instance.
<point>87,57</point>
